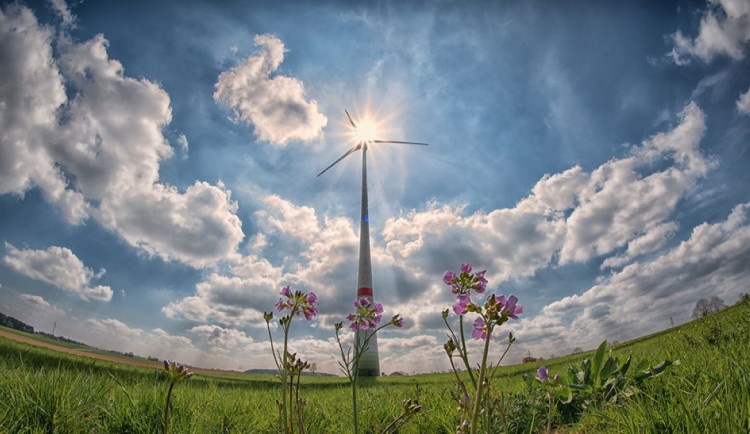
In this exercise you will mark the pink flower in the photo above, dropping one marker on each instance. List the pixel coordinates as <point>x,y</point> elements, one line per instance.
<point>461,306</point>
<point>512,308</point>
<point>397,321</point>
<point>378,308</point>
<point>448,277</point>
<point>298,303</point>
<point>542,372</point>
<point>480,329</point>
<point>481,282</point>
<point>466,267</point>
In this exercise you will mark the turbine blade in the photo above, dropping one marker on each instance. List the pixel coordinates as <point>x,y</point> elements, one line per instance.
<point>350,119</point>
<point>353,148</point>
<point>403,143</point>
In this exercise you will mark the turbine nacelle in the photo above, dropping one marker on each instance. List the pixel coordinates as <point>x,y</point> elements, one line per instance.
<point>363,139</point>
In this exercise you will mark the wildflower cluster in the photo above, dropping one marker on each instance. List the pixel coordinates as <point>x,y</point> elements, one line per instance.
<point>176,373</point>
<point>410,409</point>
<point>462,285</point>
<point>542,375</point>
<point>366,317</point>
<point>298,303</point>
<point>495,311</point>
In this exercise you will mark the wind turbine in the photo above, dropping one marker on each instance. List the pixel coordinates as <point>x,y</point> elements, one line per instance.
<point>369,364</point>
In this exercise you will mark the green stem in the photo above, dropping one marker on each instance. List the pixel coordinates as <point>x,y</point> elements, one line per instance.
<point>299,404</point>
<point>166,408</point>
<point>284,378</point>
<point>291,401</point>
<point>494,370</point>
<point>464,353</point>
<point>482,368</point>
<point>273,351</point>
<point>549,413</point>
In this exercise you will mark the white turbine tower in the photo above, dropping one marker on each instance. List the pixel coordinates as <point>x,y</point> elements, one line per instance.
<point>369,364</point>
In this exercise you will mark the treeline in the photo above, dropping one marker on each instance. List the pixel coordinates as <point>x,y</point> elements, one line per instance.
<point>10,322</point>
<point>16,324</point>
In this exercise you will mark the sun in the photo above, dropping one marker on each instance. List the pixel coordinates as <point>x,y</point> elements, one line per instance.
<point>367,130</point>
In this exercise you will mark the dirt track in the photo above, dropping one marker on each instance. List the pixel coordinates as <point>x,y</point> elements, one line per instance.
<point>112,358</point>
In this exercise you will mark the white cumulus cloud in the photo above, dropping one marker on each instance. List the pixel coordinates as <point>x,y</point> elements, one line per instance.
<point>98,154</point>
<point>59,267</point>
<point>220,337</point>
<point>629,303</point>
<point>653,240</point>
<point>275,106</point>
<point>114,328</point>
<point>231,299</point>
<point>724,30</point>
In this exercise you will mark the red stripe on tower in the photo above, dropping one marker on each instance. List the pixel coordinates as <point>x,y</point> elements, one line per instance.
<point>364,291</point>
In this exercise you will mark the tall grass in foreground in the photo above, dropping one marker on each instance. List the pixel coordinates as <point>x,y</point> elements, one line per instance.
<point>45,391</point>
<point>710,392</point>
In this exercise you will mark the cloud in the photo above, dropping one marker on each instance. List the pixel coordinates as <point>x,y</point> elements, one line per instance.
<point>275,106</point>
<point>59,267</point>
<point>743,103</point>
<point>221,338</point>
<point>42,306</point>
<point>197,227</point>
<point>571,216</point>
<point>184,145</point>
<point>31,91</point>
<point>114,328</point>
<point>651,241</point>
<point>618,203</point>
<point>724,30</point>
<point>629,303</point>
<point>233,299</point>
<point>63,11</point>
<point>35,300</point>
<point>98,154</point>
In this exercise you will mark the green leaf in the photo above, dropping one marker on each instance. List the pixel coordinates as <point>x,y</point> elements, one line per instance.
<point>654,370</point>
<point>598,358</point>
<point>610,366</point>
<point>585,375</point>
<point>624,368</point>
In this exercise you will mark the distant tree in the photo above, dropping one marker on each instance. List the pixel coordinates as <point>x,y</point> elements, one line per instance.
<point>744,297</point>
<point>577,350</point>
<point>716,304</point>
<point>706,307</point>
<point>702,308</point>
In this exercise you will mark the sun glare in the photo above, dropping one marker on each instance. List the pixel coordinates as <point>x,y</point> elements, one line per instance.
<point>367,130</point>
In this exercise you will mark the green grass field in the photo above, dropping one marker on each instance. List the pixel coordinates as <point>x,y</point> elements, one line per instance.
<point>46,391</point>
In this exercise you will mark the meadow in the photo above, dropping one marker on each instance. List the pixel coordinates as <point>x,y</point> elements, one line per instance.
<point>42,390</point>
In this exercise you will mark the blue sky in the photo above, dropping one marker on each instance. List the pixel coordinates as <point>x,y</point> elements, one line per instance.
<point>158,162</point>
